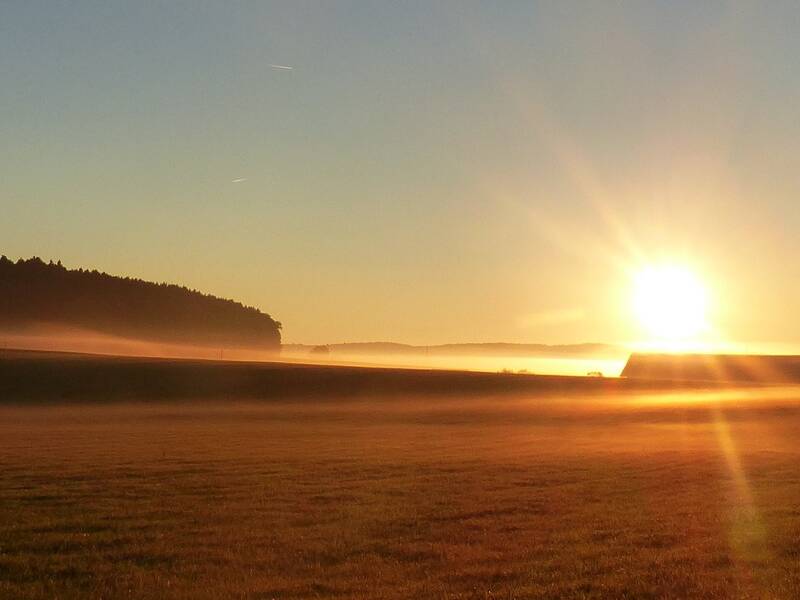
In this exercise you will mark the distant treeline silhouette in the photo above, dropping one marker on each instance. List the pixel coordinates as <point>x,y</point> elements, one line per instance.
<point>32,291</point>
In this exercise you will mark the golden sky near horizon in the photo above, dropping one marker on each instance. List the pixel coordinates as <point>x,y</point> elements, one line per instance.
<point>419,173</point>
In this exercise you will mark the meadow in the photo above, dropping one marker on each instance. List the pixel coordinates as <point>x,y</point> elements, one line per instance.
<point>563,488</point>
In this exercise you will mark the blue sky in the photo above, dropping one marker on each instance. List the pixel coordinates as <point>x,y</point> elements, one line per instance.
<point>425,172</point>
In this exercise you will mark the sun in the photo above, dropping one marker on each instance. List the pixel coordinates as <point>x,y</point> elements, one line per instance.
<point>670,303</point>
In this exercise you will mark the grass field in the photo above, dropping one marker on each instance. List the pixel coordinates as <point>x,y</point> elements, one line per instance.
<point>563,488</point>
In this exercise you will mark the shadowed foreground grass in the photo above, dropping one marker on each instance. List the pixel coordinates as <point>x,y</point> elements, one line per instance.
<point>631,495</point>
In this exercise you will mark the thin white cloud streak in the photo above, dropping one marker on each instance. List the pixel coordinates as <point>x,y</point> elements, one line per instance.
<point>282,67</point>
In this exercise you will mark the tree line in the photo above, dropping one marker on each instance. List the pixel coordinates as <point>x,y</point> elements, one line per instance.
<point>33,291</point>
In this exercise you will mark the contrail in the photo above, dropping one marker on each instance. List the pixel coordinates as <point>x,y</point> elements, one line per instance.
<point>282,67</point>
<point>240,180</point>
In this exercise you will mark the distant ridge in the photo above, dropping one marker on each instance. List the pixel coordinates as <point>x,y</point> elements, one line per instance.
<point>467,349</point>
<point>34,292</point>
<point>714,367</point>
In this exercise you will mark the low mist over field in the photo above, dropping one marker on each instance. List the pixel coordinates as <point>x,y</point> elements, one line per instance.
<point>573,359</point>
<point>577,359</point>
<point>60,338</point>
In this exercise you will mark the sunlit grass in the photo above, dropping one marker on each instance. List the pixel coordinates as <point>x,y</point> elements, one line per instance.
<point>506,497</point>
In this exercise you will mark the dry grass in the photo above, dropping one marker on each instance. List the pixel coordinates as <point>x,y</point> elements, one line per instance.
<point>623,497</point>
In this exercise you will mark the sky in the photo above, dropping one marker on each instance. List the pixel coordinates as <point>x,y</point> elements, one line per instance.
<point>422,172</point>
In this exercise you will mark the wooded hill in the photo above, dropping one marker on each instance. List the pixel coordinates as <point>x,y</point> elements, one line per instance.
<point>35,292</point>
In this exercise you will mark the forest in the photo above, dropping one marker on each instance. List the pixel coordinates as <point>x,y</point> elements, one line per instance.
<point>35,292</point>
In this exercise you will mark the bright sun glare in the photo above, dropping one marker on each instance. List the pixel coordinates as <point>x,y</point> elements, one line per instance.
<point>670,303</point>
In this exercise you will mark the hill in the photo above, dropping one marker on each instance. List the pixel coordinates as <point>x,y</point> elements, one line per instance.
<point>57,376</point>
<point>714,367</point>
<point>33,292</point>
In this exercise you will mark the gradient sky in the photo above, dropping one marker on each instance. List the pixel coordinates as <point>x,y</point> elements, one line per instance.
<point>426,172</point>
